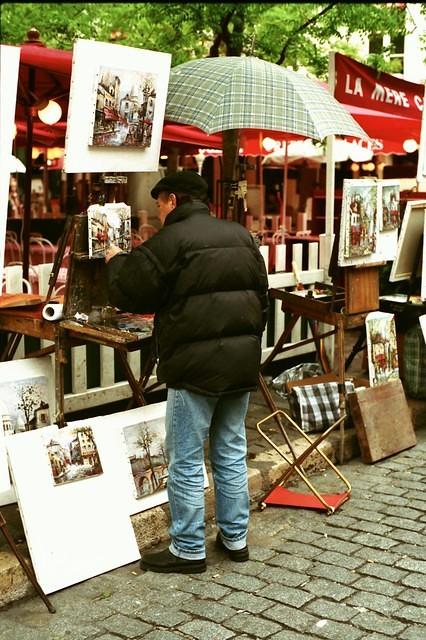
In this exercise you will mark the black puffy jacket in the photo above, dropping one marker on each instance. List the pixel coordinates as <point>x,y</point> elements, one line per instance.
<point>206,282</point>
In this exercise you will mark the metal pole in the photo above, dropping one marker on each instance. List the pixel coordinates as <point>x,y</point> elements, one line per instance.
<point>28,180</point>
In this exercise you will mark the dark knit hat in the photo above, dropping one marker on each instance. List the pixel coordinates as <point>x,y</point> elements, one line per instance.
<point>185,182</point>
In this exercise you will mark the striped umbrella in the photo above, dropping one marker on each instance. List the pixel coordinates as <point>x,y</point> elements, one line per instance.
<point>217,94</point>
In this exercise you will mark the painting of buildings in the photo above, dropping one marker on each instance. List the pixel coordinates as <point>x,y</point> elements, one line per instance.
<point>390,207</point>
<point>24,405</point>
<point>73,455</point>
<point>108,224</point>
<point>381,348</point>
<point>125,105</point>
<point>359,213</point>
<point>146,453</point>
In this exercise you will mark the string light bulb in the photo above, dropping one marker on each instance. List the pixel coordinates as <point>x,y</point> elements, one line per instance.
<point>51,114</point>
<point>410,145</point>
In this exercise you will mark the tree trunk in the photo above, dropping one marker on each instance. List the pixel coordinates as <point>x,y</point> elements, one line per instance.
<point>230,145</point>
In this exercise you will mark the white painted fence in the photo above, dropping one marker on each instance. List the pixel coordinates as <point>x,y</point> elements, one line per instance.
<point>109,389</point>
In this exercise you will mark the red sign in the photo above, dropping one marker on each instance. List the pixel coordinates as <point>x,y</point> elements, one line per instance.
<point>362,86</point>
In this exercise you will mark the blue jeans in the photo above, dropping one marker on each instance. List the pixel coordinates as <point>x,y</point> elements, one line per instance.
<point>190,418</point>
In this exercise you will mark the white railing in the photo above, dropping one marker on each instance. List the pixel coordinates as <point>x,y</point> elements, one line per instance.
<point>82,396</point>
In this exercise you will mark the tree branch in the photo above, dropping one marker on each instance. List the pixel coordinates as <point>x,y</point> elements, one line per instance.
<point>220,36</point>
<point>302,28</point>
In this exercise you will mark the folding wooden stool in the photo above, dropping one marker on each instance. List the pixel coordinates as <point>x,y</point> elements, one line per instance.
<point>280,496</point>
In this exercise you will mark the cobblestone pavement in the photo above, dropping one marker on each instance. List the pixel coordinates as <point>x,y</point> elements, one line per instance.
<point>359,573</point>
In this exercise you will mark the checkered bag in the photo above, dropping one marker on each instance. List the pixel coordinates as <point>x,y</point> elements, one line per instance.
<point>315,407</point>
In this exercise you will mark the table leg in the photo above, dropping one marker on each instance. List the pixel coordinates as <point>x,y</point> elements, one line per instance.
<point>60,362</point>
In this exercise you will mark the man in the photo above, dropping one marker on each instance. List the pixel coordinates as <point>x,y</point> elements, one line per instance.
<point>206,282</point>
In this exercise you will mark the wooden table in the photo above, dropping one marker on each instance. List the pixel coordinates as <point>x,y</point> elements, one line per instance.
<point>66,333</point>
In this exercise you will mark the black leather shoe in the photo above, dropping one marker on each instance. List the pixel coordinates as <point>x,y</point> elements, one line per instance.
<point>236,555</point>
<point>166,562</point>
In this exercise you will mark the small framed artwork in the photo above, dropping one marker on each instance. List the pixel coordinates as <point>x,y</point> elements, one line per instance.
<point>73,455</point>
<point>108,224</point>
<point>388,194</point>
<point>74,530</point>
<point>116,108</point>
<point>382,348</point>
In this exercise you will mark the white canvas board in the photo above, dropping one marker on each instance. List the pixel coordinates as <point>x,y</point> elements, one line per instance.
<point>5,484</point>
<point>411,232</point>
<point>74,530</point>
<point>91,61</point>
<point>422,320</point>
<point>382,350</point>
<point>9,65</point>
<point>423,282</point>
<point>27,400</point>
<point>118,431</point>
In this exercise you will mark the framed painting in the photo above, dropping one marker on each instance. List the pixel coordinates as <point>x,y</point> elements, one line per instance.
<point>409,243</point>
<point>382,348</point>
<point>365,236</point>
<point>74,530</point>
<point>116,108</point>
<point>27,402</point>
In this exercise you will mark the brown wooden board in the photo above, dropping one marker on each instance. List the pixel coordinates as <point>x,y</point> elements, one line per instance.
<point>362,289</point>
<point>382,421</point>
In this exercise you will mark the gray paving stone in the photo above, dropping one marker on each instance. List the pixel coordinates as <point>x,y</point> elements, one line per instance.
<point>246,602</point>
<point>332,610</point>
<point>413,614</point>
<point>336,574</point>
<point>291,635</point>
<point>295,549</point>
<point>160,615</point>
<point>413,633</point>
<point>282,576</point>
<point>286,595</point>
<point>335,630</point>
<point>371,540</point>
<point>416,580</point>
<point>241,582</point>
<point>290,617</point>
<point>382,571</point>
<point>332,590</point>
<point>218,612</point>
<point>160,634</point>
<point>378,556</point>
<point>292,563</point>
<point>375,602</point>
<point>413,596</point>
<point>341,560</point>
<point>403,512</point>
<point>257,627</point>
<point>201,630</point>
<point>128,627</point>
<point>372,622</point>
<point>210,590</point>
<point>377,585</point>
<point>417,566</point>
<point>261,554</point>
<point>407,525</point>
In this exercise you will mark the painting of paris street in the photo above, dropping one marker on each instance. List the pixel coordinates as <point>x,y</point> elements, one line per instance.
<point>125,105</point>
<point>359,211</point>
<point>73,455</point>
<point>24,404</point>
<point>382,348</point>
<point>144,444</point>
<point>109,224</point>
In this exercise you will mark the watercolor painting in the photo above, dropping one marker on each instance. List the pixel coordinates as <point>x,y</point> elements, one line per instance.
<point>147,456</point>
<point>125,106</point>
<point>73,455</point>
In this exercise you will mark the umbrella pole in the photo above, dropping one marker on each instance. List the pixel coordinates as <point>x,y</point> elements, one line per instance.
<point>284,207</point>
<point>28,181</point>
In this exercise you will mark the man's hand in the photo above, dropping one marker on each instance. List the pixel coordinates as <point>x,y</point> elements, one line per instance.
<point>111,252</point>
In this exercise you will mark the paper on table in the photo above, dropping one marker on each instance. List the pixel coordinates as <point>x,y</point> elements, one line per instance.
<point>53,311</point>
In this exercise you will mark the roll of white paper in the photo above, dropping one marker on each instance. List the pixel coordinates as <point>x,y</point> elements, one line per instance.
<point>52,311</point>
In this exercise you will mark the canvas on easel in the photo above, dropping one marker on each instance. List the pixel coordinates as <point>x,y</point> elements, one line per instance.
<point>411,245</point>
<point>108,224</point>
<point>367,236</point>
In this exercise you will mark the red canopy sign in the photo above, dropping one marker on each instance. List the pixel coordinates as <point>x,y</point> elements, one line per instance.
<point>362,86</point>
